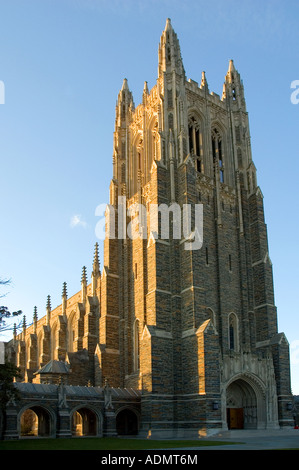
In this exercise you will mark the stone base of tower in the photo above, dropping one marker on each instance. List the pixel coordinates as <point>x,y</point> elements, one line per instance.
<point>182,416</point>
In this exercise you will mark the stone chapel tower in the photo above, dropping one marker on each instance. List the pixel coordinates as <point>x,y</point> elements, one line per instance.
<point>196,330</point>
<point>188,319</point>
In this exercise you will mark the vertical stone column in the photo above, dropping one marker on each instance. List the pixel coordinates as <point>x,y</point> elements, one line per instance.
<point>63,416</point>
<point>109,413</point>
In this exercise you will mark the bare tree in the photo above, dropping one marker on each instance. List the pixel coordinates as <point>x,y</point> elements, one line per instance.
<point>5,313</point>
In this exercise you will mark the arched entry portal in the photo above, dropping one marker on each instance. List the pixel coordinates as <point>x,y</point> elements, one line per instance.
<point>127,422</point>
<point>245,405</point>
<point>35,421</point>
<point>84,422</point>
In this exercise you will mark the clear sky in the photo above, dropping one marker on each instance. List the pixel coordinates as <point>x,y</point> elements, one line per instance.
<point>63,62</point>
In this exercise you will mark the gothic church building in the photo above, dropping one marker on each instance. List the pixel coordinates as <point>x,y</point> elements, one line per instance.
<point>192,331</point>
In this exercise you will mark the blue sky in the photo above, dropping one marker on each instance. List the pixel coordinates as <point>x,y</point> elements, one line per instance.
<point>63,62</point>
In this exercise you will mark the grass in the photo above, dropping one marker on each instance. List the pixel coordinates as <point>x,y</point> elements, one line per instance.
<point>89,443</point>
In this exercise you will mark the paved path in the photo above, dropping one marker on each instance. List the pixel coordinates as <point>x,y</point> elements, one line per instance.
<point>254,440</point>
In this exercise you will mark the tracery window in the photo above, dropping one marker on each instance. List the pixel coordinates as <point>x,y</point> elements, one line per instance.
<point>217,149</point>
<point>195,142</point>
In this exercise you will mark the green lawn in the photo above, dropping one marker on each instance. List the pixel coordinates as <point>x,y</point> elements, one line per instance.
<point>90,443</point>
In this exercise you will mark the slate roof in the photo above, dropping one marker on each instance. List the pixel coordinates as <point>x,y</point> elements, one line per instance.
<point>76,390</point>
<point>54,367</point>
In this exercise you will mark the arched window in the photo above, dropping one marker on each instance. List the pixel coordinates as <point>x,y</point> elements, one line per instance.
<point>233,332</point>
<point>217,149</point>
<point>195,142</point>
<point>136,345</point>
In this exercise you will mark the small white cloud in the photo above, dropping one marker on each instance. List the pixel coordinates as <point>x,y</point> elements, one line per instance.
<point>77,221</point>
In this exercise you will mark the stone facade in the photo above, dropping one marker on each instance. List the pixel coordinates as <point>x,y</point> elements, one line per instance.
<point>194,330</point>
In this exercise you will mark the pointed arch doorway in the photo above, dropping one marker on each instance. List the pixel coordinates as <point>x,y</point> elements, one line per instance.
<point>245,404</point>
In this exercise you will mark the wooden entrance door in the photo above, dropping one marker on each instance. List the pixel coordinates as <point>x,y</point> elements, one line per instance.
<point>235,418</point>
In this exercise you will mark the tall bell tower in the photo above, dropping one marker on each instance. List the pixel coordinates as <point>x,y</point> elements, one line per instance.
<point>194,328</point>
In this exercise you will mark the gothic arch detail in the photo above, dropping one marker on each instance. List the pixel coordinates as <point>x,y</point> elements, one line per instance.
<point>195,135</point>
<point>218,153</point>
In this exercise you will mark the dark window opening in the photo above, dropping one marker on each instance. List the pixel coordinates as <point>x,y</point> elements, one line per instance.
<point>214,149</point>
<point>191,139</point>
<point>197,142</point>
<point>194,137</point>
<point>126,423</point>
<point>217,151</point>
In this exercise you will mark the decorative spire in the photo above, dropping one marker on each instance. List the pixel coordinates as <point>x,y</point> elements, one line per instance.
<point>124,104</point>
<point>34,319</point>
<point>15,331</point>
<point>231,67</point>
<point>35,314</point>
<point>83,284</point>
<point>169,52</point>
<point>125,85</point>
<point>64,290</point>
<point>84,276</point>
<point>233,89</point>
<point>96,263</point>
<point>230,73</point>
<point>24,327</point>
<point>64,298</point>
<point>95,269</point>
<point>48,309</point>
<point>204,83</point>
<point>145,93</point>
<point>168,25</point>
